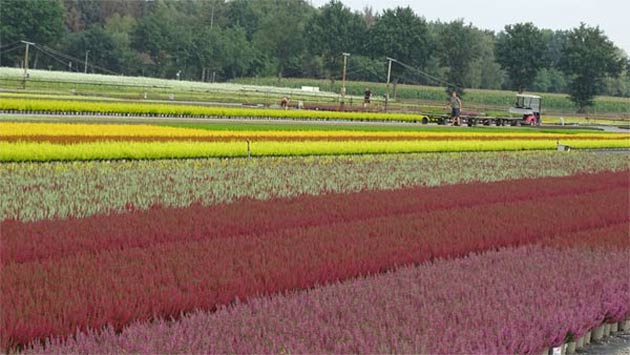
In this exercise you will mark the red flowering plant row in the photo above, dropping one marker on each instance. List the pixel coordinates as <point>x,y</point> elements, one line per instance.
<point>116,283</point>
<point>28,241</point>
<point>511,301</point>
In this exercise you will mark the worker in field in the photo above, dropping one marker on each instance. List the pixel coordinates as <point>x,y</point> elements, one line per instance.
<point>367,96</point>
<point>284,103</point>
<point>456,108</point>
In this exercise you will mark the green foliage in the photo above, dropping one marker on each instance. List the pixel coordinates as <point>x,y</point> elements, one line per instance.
<point>520,51</point>
<point>588,57</point>
<point>402,35</point>
<point>333,30</point>
<point>458,49</point>
<point>30,21</point>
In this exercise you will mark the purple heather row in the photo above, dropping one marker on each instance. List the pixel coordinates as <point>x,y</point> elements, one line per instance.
<point>509,301</point>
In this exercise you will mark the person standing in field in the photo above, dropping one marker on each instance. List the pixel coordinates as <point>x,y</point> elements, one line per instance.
<point>284,103</point>
<point>456,108</point>
<point>367,95</point>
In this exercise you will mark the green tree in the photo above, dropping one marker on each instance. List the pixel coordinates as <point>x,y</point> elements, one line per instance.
<point>457,50</point>
<point>485,72</point>
<point>520,50</point>
<point>333,30</point>
<point>104,52</point>
<point>280,34</point>
<point>30,21</point>
<point>238,55</point>
<point>402,35</point>
<point>588,57</point>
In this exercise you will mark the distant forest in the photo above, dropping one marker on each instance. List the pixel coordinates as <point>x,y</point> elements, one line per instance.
<point>224,39</point>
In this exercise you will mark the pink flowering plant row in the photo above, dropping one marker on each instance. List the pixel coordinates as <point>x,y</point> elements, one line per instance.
<point>515,300</point>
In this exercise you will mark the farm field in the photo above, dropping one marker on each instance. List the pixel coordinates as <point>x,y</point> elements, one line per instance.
<point>267,92</point>
<point>165,235</point>
<point>313,177</point>
<point>20,141</point>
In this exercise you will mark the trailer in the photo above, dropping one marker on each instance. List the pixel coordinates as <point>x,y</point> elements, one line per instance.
<point>527,109</point>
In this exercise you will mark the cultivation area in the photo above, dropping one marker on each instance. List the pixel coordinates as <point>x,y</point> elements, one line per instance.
<point>57,92</point>
<point>164,236</point>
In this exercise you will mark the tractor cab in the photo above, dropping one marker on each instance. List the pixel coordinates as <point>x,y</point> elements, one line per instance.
<point>529,106</point>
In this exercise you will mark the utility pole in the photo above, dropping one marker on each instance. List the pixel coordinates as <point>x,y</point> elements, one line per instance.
<point>343,78</point>
<point>26,58</point>
<point>86,58</point>
<point>26,63</point>
<point>389,76</point>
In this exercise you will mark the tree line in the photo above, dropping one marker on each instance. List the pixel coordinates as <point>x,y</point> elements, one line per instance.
<point>218,40</point>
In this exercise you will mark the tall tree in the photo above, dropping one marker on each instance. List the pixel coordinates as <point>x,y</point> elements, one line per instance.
<point>333,30</point>
<point>31,21</point>
<point>402,35</point>
<point>588,57</point>
<point>521,52</point>
<point>485,72</point>
<point>280,34</point>
<point>457,50</point>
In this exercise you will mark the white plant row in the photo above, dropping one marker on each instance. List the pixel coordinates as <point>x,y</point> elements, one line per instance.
<point>80,78</point>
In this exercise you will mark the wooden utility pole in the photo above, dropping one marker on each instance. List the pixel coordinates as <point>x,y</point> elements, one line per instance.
<point>343,78</point>
<point>389,76</point>
<point>26,62</point>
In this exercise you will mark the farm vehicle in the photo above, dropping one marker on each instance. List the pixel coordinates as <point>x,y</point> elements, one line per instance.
<point>526,111</point>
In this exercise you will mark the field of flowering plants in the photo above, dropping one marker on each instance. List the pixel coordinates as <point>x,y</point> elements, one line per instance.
<point>464,244</point>
<point>61,142</point>
<point>58,274</point>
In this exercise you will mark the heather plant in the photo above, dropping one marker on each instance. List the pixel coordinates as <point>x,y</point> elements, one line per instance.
<point>518,300</point>
<point>45,151</point>
<point>63,238</point>
<point>36,191</point>
<point>110,279</point>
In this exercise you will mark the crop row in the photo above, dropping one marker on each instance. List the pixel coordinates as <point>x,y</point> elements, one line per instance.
<point>511,301</point>
<point>159,110</point>
<point>65,238</point>
<point>44,151</point>
<point>31,131</point>
<point>115,282</point>
<point>36,191</point>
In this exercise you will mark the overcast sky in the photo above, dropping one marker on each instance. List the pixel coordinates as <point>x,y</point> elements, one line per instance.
<point>612,16</point>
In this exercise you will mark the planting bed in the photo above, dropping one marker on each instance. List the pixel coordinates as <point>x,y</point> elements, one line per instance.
<point>461,252</point>
<point>58,276</point>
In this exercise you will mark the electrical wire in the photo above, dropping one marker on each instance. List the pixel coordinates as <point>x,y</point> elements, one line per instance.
<point>61,61</point>
<point>77,60</point>
<point>5,51</point>
<point>425,74</point>
<point>9,45</point>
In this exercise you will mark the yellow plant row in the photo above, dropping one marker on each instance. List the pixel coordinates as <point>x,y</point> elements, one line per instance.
<point>28,151</point>
<point>139,108</point>
<point>142,130</point>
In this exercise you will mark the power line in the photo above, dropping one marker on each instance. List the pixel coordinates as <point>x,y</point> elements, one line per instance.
<point>60,61</point>
<point>5,51</point>
<point>9,45</point>
<point>425,74</point>
<point>76,60</point>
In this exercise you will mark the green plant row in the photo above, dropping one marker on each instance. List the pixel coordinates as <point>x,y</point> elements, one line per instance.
<point>25,151</point>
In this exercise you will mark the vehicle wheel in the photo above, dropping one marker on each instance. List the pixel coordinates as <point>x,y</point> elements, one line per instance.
<point>470,123</point>
<point>425,120</point>
<point>497,123</point>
